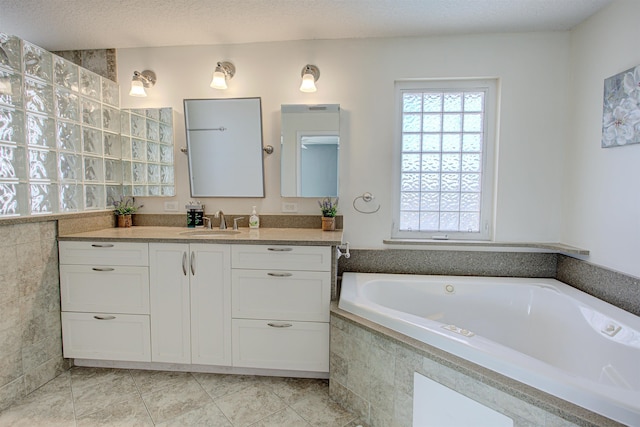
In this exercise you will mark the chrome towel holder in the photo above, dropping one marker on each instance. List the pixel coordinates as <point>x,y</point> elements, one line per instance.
<point>366,198</point>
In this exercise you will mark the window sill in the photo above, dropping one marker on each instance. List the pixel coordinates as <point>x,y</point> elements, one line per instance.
<point>490,245</point>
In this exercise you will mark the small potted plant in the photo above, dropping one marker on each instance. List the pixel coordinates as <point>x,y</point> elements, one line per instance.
<point>124,208</point>
<point>329,209</point>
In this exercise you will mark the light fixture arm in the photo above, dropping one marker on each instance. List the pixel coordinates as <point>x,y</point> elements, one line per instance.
<point>227,68</point>
<point>311,69</point>
<point>147,78</point>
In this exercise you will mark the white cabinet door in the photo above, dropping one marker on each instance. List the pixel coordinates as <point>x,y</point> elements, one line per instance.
<point>279,257</point>
<point>210,270</point>
<point>169,302</point>
<point>103,253</point>
<point>106,336</point>
<point>292,295</point>
<point>272,344</point>
<point>104,289</point>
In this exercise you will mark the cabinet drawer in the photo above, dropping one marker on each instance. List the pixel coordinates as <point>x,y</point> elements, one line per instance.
<point>106,337</point>
<point>297,346</point>
<point>269,294</point>
<point>104,253</point>
<point>263,257</point>
<point>105,289</point>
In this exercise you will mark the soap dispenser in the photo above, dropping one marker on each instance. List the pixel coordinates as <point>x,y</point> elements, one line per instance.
<point>254,219</point>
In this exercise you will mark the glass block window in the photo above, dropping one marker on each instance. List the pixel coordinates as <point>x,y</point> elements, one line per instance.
<point>65,144</point>
<point>446,156</point>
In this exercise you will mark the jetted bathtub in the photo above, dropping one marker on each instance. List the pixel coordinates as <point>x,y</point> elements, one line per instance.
<point>540,332</point>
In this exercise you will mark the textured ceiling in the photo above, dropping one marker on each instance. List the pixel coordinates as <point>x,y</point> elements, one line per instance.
<point>87,24</point>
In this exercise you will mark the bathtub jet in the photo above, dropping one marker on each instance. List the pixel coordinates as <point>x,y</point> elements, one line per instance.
<point>540,332</point>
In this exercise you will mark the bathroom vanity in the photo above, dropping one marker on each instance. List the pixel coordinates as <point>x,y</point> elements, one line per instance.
<point>159,298</point>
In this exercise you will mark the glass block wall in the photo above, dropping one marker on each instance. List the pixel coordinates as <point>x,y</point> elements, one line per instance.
<point>65,145</point>
<point>147,152</point>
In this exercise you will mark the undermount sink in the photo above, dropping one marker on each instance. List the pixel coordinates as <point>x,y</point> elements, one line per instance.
<point>209,233</point>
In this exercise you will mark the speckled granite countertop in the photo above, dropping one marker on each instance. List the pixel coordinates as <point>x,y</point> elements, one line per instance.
<point>443,244</point>
<point>266,236</point>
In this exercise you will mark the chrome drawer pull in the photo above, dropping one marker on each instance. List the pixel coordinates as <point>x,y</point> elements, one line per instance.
<point>280,274</point>
<point>280,249</point>
<point>102,245</point>
<point>103,269</point>
<point>184,263</point>
<point>104,317</point>
<point>280,325</point>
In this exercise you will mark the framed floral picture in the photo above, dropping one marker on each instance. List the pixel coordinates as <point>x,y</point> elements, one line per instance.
<point>621,109</point>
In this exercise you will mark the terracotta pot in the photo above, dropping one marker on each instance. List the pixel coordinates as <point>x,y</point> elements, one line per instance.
<point>124,221</point>
<point>328,223</point>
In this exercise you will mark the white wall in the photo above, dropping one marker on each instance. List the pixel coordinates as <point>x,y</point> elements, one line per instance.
<point>359,75</point>
<point>602,203</point>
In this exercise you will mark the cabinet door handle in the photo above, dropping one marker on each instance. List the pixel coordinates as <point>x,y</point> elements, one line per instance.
<point>104,317</point>
<point>280,325</point>
<point>184,263</point>
<point>278,274</point>
<point>193,264</point>
<point>103,269</point>
<point>102,245</point>
<point>280,249</point>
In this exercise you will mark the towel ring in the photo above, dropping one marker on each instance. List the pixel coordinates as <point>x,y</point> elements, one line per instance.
<point>366,197</point>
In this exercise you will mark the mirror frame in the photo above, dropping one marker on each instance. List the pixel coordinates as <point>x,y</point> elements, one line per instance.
<point>225,147</point>
<point>290,149</point>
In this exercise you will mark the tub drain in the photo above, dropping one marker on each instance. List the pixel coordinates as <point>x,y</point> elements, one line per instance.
<point>450,289</point>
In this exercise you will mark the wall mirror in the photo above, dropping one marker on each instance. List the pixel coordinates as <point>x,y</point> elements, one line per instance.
<point>310,146</point>
<point>224,146</point>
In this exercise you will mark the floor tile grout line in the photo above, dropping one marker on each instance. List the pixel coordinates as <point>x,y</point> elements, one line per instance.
<point>73,399</point>
<point>210,397</point>
<point>140,396</point>
<point>97,381</point>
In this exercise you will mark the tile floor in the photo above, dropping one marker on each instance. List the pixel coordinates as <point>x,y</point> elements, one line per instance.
<point>120,397</point>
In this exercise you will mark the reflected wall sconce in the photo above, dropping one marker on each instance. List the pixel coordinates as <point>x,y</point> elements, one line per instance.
<point>310,75</point>
<point>140,81</point>
<point>5,81</point>
<point>224,71</point>
<point>5,86</point>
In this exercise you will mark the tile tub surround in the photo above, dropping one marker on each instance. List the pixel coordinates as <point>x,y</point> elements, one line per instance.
<point>121,397</point>
<point>30,330</point>
<point>372,368</point>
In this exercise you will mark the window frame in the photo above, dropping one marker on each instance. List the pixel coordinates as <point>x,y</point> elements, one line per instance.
<point>489,150</point>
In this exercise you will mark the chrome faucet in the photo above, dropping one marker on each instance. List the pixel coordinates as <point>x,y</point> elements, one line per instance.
<point>223,223</point>
<point>235,222</point>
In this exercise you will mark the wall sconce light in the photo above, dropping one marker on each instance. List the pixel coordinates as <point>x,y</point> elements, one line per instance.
<point>140,81</point>
<point>310,75</point>
<point>224,71</point>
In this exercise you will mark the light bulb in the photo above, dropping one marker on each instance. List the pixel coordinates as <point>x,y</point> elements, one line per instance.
<point>308,83</point>
<point>137,88</point>
<point>219,80</point>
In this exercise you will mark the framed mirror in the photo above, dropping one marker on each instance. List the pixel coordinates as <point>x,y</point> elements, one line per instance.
<point>310,147</point>
<point>224,146</point>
